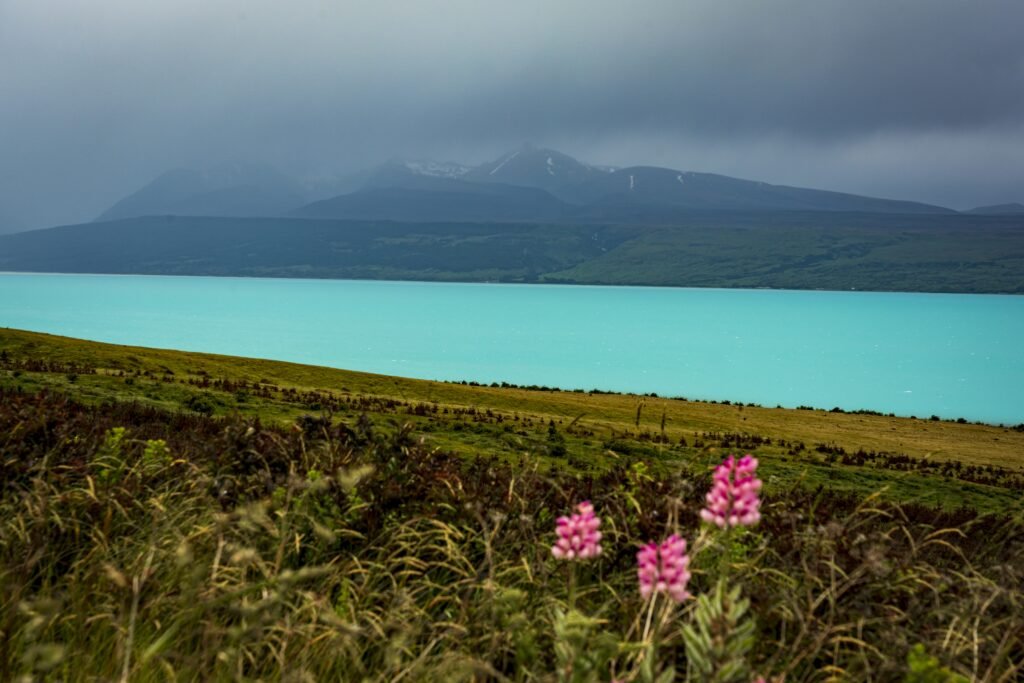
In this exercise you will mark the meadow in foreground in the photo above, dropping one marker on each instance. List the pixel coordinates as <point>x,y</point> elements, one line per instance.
<point>937,463</point>
<point>142,544</point>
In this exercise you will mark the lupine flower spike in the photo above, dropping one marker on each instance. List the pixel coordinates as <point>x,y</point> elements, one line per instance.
<point>733,500</point>
<point>664,568</point>
<point>578,535</point>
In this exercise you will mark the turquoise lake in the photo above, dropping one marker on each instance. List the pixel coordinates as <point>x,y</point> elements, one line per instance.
<point>911,354</point>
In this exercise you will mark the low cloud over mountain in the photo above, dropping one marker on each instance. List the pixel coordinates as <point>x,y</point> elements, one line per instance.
<point>918,99</point>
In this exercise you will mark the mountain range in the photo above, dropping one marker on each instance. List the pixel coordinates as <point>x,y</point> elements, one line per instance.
<point>526,185</point>
<point>228,190</point>
<point>533,215</point>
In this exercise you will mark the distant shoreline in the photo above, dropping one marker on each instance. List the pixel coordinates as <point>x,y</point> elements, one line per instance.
<point>503,283</point>
<point>539,389</point>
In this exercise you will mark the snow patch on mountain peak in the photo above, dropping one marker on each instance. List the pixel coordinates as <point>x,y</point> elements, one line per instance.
<point>436,169</point>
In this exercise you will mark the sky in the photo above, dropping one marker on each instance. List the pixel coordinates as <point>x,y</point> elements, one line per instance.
<point>910,99</point>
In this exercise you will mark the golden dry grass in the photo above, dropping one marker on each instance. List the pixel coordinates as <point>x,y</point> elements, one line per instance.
<point>969,443</point>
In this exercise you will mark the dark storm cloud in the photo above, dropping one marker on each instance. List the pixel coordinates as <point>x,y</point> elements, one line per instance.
<point>915,98</point>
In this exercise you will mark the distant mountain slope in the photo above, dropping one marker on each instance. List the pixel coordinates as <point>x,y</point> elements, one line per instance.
<point>639,195</point>
<point>662,187</point>
<point>231,190</point>
<point>563,188</point>
<point>545,169</point>
<point>598,188</point>
<point>998,210</point>
<point>794,250</point>
<point>440,199</point>
<point>411,174</point>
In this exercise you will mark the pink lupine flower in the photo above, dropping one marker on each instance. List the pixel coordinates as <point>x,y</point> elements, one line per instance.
<point>578,535</point>
<point>664,568</point>
<point>733,500</point>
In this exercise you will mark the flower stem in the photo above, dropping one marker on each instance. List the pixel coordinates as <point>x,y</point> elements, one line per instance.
<point>572,586</point>
<point>650,613</point>
<point>725,566</point>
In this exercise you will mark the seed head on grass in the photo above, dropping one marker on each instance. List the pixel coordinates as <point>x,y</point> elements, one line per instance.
<point>733,499</point>
<point>664,568</point>
<point>578,535</point>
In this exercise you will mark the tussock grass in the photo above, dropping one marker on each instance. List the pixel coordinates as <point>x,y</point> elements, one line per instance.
<point>932,462</point>
<point>141,544</point>
<point>974,444</point>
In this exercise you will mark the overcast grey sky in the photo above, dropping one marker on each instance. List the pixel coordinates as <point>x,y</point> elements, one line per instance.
<point>915,99</point>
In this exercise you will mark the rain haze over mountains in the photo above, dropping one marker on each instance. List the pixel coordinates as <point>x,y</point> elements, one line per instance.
<point>252,107</point>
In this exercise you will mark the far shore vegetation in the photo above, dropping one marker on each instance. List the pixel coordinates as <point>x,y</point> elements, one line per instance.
<point>943,462</point>
<point>747,249</point>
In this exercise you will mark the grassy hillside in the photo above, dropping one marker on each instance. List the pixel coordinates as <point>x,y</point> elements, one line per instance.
<point>294,247</point>
<point>795,250</point>
<point>935,254</point>
<point>598,430</point>
<point>177,516</point>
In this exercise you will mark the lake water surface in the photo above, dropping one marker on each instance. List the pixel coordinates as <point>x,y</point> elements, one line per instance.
<point>946,354</point>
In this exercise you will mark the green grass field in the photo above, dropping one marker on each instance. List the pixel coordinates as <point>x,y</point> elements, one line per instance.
<point>170,516</point>
<point>597,431</point>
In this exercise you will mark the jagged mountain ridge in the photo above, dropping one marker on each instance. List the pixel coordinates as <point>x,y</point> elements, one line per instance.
<point>638,193</point>
<point>546,169</point>
<point>569,189</point>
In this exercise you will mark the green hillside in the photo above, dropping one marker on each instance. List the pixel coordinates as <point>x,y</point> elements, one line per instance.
<point>181,516</point>
<point>794,250</point>
<point>598,430</point>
